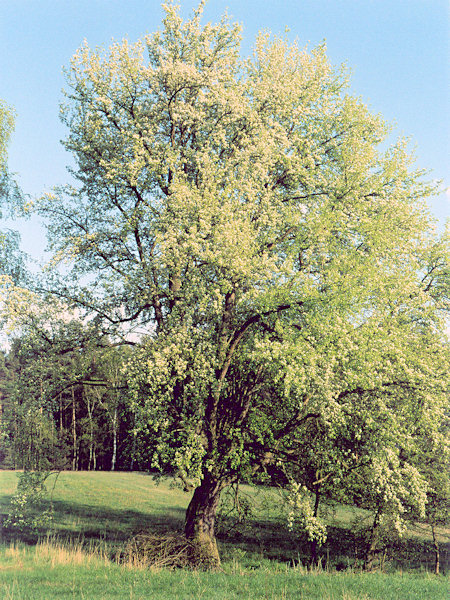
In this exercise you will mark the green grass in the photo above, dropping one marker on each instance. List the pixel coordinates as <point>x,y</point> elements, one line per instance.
<point>95,513</point>
<point>107,506</point>
<point>52,571</point>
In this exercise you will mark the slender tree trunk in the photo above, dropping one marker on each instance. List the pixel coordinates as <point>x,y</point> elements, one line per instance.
<point>313,545</point>
<point>133,447</point>
<point>133,451</point>
<point>371,549</point>
<point>16,437</point>
<point>74,433</point>
<point>437,554</point>
<point>60,414</point>
<point>114,432</point>
<point>201,515</point>
<point>90,410</point>
<point>91,452</point>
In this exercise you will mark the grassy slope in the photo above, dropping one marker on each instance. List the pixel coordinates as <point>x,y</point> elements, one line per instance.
<point>109,506</point>
<point>106,508</point>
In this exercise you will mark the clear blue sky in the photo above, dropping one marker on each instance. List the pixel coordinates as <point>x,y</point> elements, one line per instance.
<point>398,51</point>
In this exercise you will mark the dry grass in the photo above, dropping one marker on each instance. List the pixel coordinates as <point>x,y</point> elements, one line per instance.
<point>55,553</point>
<point>144,551</point>
<point>14,557</point>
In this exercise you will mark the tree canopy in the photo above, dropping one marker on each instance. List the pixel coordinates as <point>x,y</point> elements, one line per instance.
<point>246,214</point>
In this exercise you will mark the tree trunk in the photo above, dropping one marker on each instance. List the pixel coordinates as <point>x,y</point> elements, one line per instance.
<point>436,550</point>
<point>74,433</point>
<point>200,518</point>
<point>313,544</point>
<point>60,414</point>
<point>133,451</point>
<point>114,432</point>
<point>371,549</point>
<point>90,411</point>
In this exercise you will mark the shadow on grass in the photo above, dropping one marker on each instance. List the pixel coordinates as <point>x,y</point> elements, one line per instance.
<point>252,540</point>
<point>344,549</point>
<point>87,523</point>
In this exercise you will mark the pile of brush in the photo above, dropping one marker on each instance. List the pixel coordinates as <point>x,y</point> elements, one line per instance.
<point>166,551</point>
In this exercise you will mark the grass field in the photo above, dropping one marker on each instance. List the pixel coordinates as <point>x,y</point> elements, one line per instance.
<point>96,513</point>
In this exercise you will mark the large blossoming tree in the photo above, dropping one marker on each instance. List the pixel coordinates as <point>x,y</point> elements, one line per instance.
<point>246,214</point>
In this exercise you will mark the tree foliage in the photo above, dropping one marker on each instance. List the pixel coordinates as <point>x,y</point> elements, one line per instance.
<point>13,273</point>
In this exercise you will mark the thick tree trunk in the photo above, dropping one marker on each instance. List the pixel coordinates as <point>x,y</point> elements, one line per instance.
<point>200,518</point>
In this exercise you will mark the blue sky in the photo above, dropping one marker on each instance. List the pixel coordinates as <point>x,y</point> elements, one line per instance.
<point>397,50</point>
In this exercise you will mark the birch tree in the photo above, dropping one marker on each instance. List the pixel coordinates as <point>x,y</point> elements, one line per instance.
<point>246,214</point>
<point>13,274</point>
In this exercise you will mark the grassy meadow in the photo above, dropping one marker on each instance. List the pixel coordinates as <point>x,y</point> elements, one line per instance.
<point>96,513</point>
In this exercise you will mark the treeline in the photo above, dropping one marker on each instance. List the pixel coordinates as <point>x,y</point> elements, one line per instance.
<point>65,405</point>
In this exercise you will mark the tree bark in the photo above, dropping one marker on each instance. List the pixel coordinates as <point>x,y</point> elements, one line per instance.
<point>313,545</point>
<point>201,515</point>
<point>436,551</point>
<point>133,452</point>
<point>90,410</point>
<point>371,549</point>
<point>74,433</point>
<point>114,432</point>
